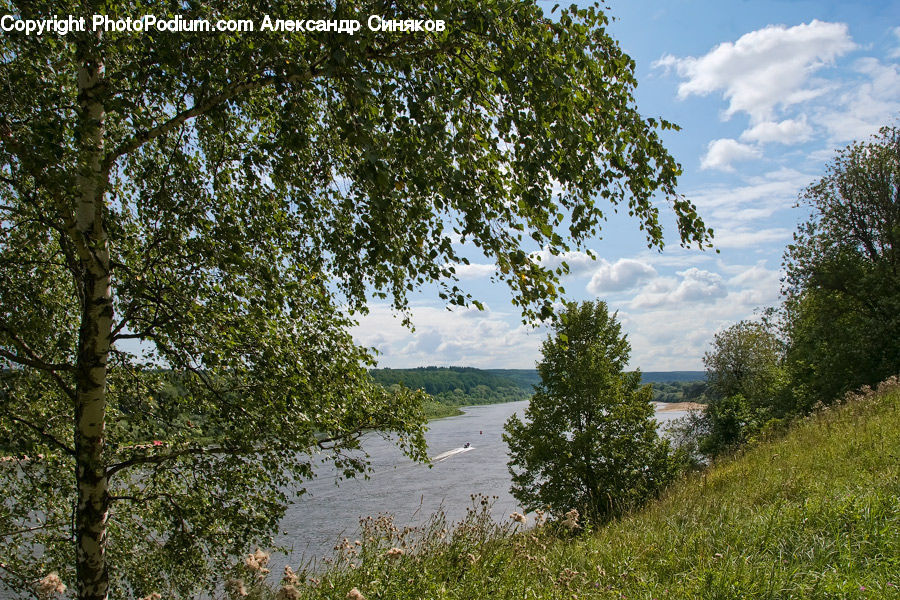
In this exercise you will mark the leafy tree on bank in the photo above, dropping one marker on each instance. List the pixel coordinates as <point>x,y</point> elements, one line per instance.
<point>841,313</point>
<point>230,201</point>
<point>839,325</point>
<point>589,440</point>
<point>745,382</point>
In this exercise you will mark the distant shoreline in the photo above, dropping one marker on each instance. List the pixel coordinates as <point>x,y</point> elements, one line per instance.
<point>660,407</point>
<point>667,406</point>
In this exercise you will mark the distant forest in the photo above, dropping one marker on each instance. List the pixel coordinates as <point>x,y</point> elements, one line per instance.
<point>457,386</point>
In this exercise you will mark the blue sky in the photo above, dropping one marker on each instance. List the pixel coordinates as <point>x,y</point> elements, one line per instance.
<point>764,92</point>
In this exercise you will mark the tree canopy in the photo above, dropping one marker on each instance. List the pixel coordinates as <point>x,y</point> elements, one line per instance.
<point>745,379</point>
<point>589,440</point>
<point>230,201</point>
<point>842,292</point>
<point>838,326</point>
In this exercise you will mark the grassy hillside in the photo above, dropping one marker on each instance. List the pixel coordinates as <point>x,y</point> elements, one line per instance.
<point>814,514</point>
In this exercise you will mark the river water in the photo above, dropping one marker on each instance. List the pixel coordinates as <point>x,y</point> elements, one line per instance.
<point>410,491</point>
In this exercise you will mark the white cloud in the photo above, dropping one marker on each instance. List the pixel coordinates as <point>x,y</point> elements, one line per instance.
<point>764,69</point>
<point>727,208</point>
<point>721,153</point>
<point>675,256</point>
<point>866,104</point>
<point>460,336</point>
<point>580,263</point>
<point>755,286</point>
<point>474,270</point>
<point>696,286</point>
<point>789,131</point>
<point>673,335</point>
<point>669,323</point>
<point>624,274</point>
<point>745,237</point>
<point>895,53</point>
<point>688,330</point>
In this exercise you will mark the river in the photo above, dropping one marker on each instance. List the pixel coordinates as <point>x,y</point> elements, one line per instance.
<point>410,491</point>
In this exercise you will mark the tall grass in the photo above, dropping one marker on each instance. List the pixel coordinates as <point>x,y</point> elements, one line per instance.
<point>814,513</point>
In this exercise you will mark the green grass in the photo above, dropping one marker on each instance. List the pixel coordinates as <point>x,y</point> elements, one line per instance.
<point>812,514</point>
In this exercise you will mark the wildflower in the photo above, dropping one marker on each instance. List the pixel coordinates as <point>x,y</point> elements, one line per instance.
<point>472,558</point>
<point>51,584</point>
<point>394,553</point>
<point>290,578</point>
<point>235,588</point>
<point>571,520</point>
<point>257,561</point>
<point>288,592</point>
<point>862,588</point>
<point>355,594</point>
<point>518,517</point>
<point>566,576</point>
<point>717,555</point>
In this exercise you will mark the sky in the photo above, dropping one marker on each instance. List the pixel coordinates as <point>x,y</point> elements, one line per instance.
<point>765,92</point>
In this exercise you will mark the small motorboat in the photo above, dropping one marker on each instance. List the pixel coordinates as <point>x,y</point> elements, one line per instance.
<point>449,453</point>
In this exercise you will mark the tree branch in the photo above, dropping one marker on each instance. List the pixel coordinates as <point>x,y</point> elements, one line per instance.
<point>53,441</point>
<point>37,361</point>
<point>30,529</point>
<point>159,459</point>
<point>337,439</point>
<point>230,91</point>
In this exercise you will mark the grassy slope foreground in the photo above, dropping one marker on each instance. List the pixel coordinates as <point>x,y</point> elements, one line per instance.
<point>814,514</point>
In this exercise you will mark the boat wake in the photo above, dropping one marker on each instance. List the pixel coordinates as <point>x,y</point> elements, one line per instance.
<point>449,453</point>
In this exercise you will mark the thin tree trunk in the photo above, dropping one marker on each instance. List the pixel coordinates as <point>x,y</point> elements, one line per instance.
<point>92,510</point>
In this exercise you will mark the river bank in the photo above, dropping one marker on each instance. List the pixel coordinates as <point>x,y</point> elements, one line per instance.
<point>813,514</point>
<point>412,492</point>
<point>679,406</point>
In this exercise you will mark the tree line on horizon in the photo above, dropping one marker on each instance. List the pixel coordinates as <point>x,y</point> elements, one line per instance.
<point>457,386</point>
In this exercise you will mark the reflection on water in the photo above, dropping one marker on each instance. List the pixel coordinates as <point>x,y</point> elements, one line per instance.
<point>411,492</point>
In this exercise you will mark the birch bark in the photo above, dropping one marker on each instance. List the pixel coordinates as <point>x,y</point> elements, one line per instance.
<point>93,285</point>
